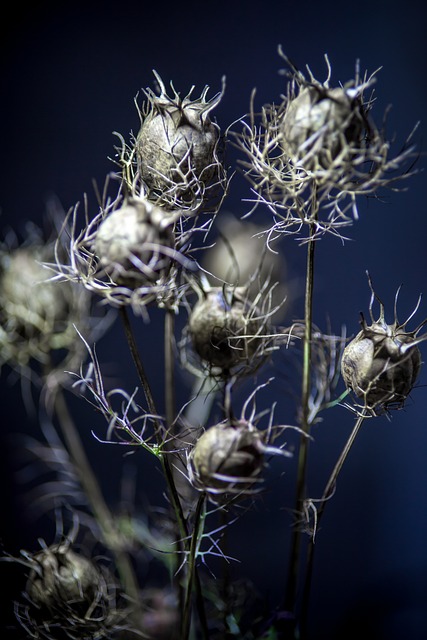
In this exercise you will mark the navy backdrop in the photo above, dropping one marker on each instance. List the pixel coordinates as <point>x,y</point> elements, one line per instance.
<point>69,77</point>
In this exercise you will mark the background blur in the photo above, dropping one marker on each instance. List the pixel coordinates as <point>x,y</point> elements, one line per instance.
<point>69,75</point>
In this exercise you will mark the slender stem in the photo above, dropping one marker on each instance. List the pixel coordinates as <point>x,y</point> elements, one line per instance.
<point>195,541</point>
<point>292,583</point>
<point>327,493</point>
<point>165,460</point>
<point>170,403</point>
<point>138,362</point>
<point>88,480</point>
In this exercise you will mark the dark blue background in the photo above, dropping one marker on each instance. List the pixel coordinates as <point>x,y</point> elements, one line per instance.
<point>68,78</point>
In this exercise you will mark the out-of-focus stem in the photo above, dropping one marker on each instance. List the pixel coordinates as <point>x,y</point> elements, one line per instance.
<point>169,369</point>
<point>111,536</point>
<point>199,520</point>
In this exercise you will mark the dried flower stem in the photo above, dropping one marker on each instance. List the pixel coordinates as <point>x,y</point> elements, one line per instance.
<point>199,519</point>
<point>192,573</point>
<point>170,403</point>
<point>291,587</point>
<point>327,493</point>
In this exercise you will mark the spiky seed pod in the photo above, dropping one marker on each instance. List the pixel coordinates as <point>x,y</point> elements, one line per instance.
<point>226,330</point>
<point>381,364</point>
<point>319,123</point>
<point>63,577</point>
<point>134,243</point>
<point>227,459</point>
<point>176,147</point>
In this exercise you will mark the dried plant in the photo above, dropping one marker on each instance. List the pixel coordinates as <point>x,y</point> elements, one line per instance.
<point>227,327</point>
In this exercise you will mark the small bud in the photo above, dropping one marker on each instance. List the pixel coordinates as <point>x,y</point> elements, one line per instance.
<point>226,330</point>
<point>134,244</point>
<point>227,458</point>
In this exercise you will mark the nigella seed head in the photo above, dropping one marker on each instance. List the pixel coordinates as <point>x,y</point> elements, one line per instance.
<point>69,595</point>
<point>227,331</point>
<point>382,363</point>
<point>227,459</point>
<point>38,314</point>
<point>319,123</point>
<point>177,147</point>
<point>134,244</point>
<point>60,577</point>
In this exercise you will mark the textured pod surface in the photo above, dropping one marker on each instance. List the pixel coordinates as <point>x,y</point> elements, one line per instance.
<point>318,123</point>
<point>63,577</point>
<point>227,456</point>
<point>380,365</point>
<point>134,244</point>
<point>225,333</point>
<point>176,140</point>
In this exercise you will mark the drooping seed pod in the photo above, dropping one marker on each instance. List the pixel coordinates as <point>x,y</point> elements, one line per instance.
<point>319,123</point>
<point>227,459</point>
<point>177,147</point>
<point>134,244</point>
<point>227,331</point>
<point>381,364</point>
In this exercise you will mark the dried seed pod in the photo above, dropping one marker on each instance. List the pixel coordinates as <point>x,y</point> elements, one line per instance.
<point>134,243</point>
<point>62,577</point>
<point>226,330</point>
<point>227,458</point>
<point>37,314</point>
<point>319,123</point>
<point>381,364</point>
<point>69,596</point>
<point>176,147</point>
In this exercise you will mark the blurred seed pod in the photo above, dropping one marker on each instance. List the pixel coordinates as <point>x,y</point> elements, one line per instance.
<point>69,596</point>
<point>37,314</point>
<point>227,459</point>
<point>179,149</point>
<point>229,332</point>
<point>241,257</point>
<point>382,363</point>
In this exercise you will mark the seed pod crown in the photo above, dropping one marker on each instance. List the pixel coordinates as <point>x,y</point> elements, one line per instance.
<point>177,147</point>
<point>382,363</point>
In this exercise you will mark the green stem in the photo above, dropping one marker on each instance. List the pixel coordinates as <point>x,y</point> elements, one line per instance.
<point>327,493</point>
<point>295,552</point>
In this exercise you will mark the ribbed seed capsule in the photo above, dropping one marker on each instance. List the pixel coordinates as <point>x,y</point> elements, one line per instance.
<point>381,364</point>
<point>134,243</point>
<point>318,124</point>
<point>63,578</point>
<point>176,145</point>
<point>227,458</point>
<point>226,330</point>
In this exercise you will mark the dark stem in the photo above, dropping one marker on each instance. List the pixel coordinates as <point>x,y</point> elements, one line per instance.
<point>170,404</point>
<point>327,493</point>
<point>296,539</point>
<point>195,541</point>
<point>110,534</point>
